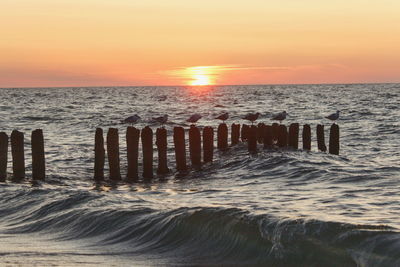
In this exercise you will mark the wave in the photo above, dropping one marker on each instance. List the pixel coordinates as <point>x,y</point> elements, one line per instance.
<point>197,235</point>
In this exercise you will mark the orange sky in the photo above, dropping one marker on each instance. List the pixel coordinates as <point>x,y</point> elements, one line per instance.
<point>181,42</point>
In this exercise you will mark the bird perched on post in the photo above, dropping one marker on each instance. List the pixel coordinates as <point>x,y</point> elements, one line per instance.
<point>333,116</point>
<point>251,117</point>
<point>194,118</point>
<point>279,117</point>
<point>161,119</point>
<point>223,116</point>
<point>132,119</point>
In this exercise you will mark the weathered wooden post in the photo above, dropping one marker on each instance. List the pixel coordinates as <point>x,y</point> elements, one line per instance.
<point>161,142</point>
<point>38,160</point>
<point>334,139</point>
<point>18,155</point>
<point>180,150</point>
<point>99,155</point>
<point>113,154</point>
<point>195,145</point>
<point>235,134</point>
<point>132,150</point>
<point>208,144</point>
<point>252,139</point>
<point>222,137</point>
<point>321,138</point>
<point>3,156</point>
<point>275,132</point>
<point>283,136</point>
<point>294,135</point>
<point>268,142</point>
<point>245,132</point>
<point>147,147</point>
<point>306,137</point>
<point>260,132</point>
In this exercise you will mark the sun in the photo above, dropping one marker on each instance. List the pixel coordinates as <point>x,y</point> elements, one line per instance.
<point>197,75</point>
<point>200,75</point>
<point>200,79</point>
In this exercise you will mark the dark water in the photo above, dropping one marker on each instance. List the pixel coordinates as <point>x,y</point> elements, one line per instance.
<point>277,208</point>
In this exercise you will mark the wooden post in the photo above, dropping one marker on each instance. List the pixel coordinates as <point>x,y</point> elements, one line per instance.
<point>99,155</point>
<point>268,142</point>
<point>3,156</point>
<point>222,137</point>
<point>147,146</point>
<point>113,154</point>
<point>195,145</point>
<point>38,160</point>
<point>294,135</point>
<point>321,138</point>
<point>235,133</point>
<point>18,155</point>
<point>161,142</point>
<point>306,137</point>
<point>132,150</point>
<point>245,132</point>
<point>260,132</point>
<point>180,150</point>
<point>252,139</point>
<point>283,136</point>
<point>275,132</point>
<point>208,144</point>
<point>334,139</point>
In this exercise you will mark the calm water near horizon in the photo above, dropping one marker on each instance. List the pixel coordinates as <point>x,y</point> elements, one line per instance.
<point>276,208</point>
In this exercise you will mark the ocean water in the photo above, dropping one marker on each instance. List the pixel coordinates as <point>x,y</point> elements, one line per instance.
<point>275,208</point>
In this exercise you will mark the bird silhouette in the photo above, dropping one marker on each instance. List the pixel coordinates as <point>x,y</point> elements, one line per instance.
<point>161,119</point>
<point>279,117</point>
<point>194,118</point>
<point>223,116</point>
<point>333,116</point>
<point>251,117</point>
<point>132,119</point>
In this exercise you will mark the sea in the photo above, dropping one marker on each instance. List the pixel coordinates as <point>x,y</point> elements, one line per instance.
<point>278,207</point>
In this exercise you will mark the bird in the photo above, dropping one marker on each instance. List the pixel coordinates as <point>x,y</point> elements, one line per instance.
<point>132,119</point>
<point>279,117</point>
<point>251,117</point>
<point>161,119</point>
<point>194,118</point>
<point>333,116</point>
<point>223,116</point>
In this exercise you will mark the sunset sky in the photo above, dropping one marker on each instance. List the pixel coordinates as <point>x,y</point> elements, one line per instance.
<point>187,42</point>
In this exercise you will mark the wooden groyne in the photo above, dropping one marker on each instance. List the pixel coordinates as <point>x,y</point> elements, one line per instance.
<point>17,142</point>
<point>201,144</point>
<point>201,148</point>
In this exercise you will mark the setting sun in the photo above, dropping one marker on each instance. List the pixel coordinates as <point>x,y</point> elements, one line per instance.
<point>200,75</point>
<point>200,80</point>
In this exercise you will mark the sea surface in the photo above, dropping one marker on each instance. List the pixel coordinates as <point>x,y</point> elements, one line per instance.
<point>274,208</point>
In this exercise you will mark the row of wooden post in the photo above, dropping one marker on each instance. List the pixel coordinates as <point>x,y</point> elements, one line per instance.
<point>18,155</point>
<point>269,135</point>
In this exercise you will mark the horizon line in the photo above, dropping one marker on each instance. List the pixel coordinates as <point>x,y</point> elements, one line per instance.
<point>217,85</point>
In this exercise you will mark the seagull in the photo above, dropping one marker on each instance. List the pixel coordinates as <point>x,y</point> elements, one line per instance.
<point>132,119</point>
<point>333,116</point>
<point>194,118</point>
<point>279,117</point>
<point>161,119</point>
<point>223,116</point>
<point>251,117</point>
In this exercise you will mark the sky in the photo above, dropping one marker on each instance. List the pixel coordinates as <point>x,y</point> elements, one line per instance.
<point>46,43</point>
